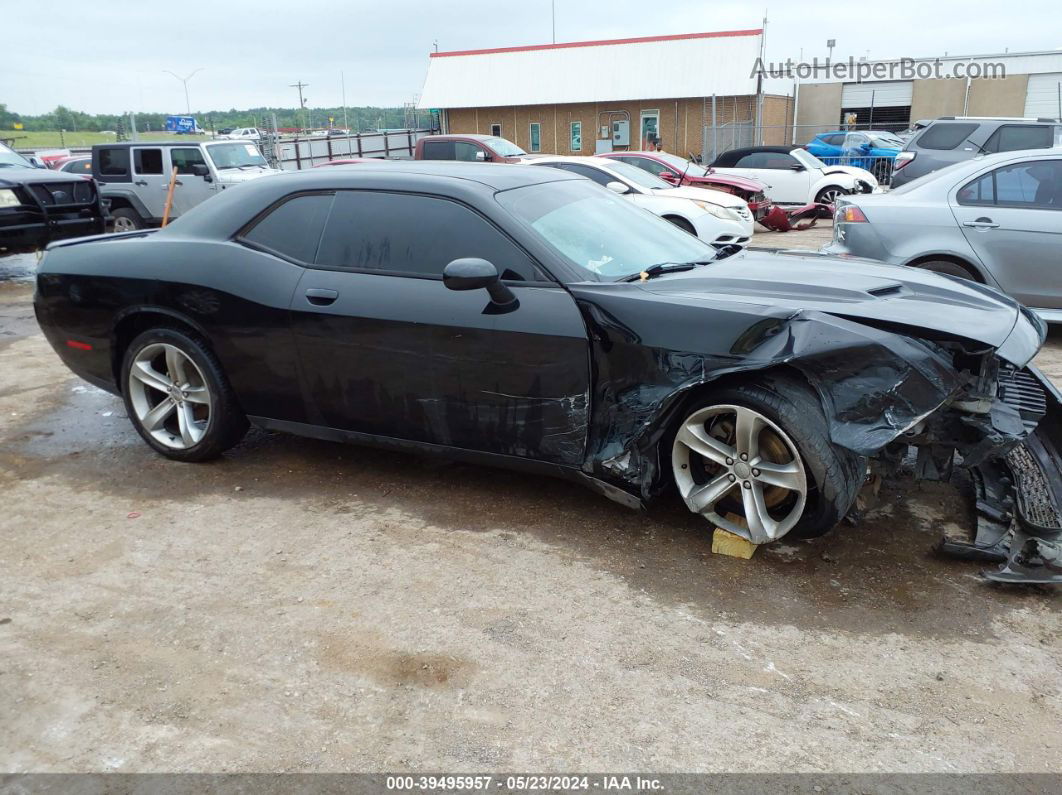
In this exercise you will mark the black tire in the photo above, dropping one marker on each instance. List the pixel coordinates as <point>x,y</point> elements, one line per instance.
<point>227,423</point>
<point>682,224</point>
<point>127,215</point>
<point>835,475</point>
<point>948,267</point>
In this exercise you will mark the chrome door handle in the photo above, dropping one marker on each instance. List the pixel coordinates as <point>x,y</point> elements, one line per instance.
<point>321,297</point>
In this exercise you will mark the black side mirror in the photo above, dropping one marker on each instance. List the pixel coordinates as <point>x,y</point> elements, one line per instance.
<point>797,167</point>
<point>201,170</point>
<point>472,273</point>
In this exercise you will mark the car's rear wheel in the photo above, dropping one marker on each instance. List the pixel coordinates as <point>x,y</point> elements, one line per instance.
<point>178,398</point>
<point>756,460</point>
<point>829,194</point>
<point>126,219</point>
<point>948,267</point>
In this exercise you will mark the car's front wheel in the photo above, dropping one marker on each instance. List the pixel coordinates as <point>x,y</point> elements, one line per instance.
<point>830,194</point>
<point>756,460</point>
<point>178,398</point>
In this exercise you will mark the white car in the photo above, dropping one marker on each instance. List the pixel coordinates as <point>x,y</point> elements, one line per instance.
<point>242,134</point>
<point>793,175</point>
<point>718,218</point>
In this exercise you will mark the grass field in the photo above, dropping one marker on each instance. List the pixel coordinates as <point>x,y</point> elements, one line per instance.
<point>33,139</point>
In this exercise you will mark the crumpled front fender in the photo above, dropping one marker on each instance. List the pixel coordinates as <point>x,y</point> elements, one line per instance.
<point>874,385</point>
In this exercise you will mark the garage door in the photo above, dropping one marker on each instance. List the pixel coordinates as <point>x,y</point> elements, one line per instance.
<point>1041,98</point>
<point>894,94</point>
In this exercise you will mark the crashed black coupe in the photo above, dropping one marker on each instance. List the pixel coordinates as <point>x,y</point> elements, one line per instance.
<point>526,317</point>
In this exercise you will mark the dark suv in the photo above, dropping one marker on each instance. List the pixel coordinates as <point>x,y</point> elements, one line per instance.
<point>38,205</point>
<point>951,139</point>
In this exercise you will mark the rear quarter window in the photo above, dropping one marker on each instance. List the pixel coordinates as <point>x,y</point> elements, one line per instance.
<point>292,229</point>
<point>438,150</point>
<point>944,136</point>
<point>1012,137</point>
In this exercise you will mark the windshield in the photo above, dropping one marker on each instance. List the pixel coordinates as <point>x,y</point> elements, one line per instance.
<point>235,155</point>
<point>604,235</point>
<point>504,147</point>
<point>681,164</point>
<point>807,159</point>
<point>634,174</point>
<point>9,157</point>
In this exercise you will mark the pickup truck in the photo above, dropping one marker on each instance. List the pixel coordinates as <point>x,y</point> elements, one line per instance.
<point>469,148</point>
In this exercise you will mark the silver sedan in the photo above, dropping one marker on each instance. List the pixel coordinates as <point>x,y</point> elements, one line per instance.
<point>996,219</point>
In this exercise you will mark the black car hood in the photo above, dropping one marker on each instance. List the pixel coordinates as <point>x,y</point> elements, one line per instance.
<point>850,288</point>
<point>10,177</point>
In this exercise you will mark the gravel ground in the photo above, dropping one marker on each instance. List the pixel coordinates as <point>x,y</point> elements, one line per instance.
<point>301,605</point>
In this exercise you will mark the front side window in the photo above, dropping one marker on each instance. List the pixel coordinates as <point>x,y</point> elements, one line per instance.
<point>184,159</point>
<point>467,152</point>
<point>682,166</point>
<point>147,161</point>
<point>576,142</point>
<point>599,232</point>
<point>945,136</point>
<point>771,160</point>
<point>1033,185</point>
<point>412,235</point>
<point>536,136</point>
<point>292,229</point>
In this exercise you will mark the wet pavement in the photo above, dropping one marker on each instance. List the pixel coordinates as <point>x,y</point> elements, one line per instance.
<point>303,605</point>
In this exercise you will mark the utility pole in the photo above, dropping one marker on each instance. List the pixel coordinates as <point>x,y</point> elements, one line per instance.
<point>553,15</point>
<point>343,86</point>
<point>302,103</point>
<point>187,104</point>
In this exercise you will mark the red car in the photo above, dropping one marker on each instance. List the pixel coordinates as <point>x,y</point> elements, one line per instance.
<point>679,171</point>
<point>79,164</point>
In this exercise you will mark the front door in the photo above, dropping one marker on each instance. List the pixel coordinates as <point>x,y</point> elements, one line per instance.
<point>386,349</point>
<point>1012,218</point>
<point>650,126</point>
<point>191,188</point>
<point>151,180</point>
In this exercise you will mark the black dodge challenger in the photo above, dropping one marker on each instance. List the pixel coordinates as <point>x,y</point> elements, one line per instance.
<point>526,317</point>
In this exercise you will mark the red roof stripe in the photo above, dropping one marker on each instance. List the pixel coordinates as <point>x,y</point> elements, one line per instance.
<point>601,43</point>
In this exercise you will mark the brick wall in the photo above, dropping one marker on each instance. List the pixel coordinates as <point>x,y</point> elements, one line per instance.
<point>680,125</point>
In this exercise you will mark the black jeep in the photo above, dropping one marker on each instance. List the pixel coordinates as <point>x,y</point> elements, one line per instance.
<point>38,205</point>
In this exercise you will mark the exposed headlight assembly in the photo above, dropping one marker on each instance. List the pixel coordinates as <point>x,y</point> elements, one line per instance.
<point>8,198</point>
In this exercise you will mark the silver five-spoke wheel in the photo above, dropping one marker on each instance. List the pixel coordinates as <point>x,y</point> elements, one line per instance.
<point>169,396</point>
<point>731,462</point>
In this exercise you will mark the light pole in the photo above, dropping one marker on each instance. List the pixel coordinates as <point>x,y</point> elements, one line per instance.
<point>302,102</point>
<point>187,104</point>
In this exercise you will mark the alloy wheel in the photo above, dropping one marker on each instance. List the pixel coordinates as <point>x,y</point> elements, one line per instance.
<point>169,395</point>
<point>740,471</point>
<point>123,224</point>
<point>829,196</point>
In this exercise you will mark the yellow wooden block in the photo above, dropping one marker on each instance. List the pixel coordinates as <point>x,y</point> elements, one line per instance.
<point>726,543</point>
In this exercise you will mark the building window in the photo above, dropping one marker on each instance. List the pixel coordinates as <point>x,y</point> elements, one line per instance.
<point>536,137</point>
<point>650,133</point>
<point>577,136</point>
<point>495,130</point>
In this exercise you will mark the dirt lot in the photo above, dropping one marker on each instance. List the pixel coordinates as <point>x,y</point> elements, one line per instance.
<point>301,605</point>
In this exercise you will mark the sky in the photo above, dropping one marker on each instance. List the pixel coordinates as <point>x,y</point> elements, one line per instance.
<point>111,56</point>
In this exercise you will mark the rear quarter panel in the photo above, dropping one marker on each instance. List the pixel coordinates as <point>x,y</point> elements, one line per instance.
<point>236,298</point>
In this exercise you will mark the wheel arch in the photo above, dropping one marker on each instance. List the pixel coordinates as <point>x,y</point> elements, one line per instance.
<point>138,320</point>
<point>975,269</point>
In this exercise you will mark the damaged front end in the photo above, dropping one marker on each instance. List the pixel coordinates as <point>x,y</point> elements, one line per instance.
<point>1016,472</point>
<point>795,219</point>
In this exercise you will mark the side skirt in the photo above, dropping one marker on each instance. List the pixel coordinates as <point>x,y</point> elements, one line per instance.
<point>453,453</point>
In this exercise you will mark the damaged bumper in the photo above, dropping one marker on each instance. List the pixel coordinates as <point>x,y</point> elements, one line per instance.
<point>779,219</point>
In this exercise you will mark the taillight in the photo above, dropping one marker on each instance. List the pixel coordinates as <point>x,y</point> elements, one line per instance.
<point>902,159</point>
<point>853,215</point>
